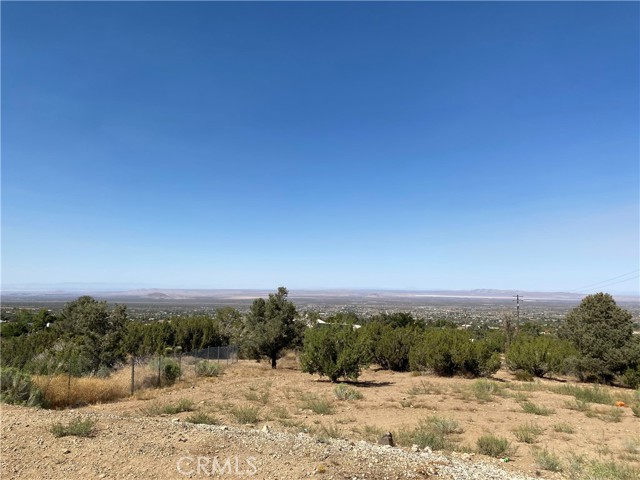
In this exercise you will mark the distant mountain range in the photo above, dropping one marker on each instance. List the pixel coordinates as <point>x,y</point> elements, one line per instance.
<point>162,294</point>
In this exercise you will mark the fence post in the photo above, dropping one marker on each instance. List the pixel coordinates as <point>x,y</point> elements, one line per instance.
<point>159,371</point>
<point>133,373</point>
<point>218,354</point>
<point>69,382</point>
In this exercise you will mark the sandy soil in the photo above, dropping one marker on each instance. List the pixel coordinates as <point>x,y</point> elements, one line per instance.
<point>134,440</point>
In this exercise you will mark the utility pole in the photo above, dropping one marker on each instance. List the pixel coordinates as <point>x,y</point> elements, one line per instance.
<point>518,297</point>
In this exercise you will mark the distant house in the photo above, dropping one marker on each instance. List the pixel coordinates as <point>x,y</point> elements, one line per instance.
<point>320,323</point>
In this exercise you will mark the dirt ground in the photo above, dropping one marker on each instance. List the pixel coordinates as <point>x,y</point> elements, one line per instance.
<point>281,399</point>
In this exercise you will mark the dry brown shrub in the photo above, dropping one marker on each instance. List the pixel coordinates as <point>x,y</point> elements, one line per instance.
<point>82,391</point>
<point>89,390</point>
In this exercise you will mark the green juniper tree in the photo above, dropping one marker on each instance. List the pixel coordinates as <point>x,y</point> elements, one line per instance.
<point>334,351</point>
<point>271,327</point>
<point>603,334</point>
<point>97,331</point>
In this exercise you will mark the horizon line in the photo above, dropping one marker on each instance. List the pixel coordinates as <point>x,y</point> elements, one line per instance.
<point>108,287</point>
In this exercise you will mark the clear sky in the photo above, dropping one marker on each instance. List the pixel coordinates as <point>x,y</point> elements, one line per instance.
<point>384,145</point>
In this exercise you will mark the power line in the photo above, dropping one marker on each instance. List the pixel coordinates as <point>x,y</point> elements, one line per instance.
<point>603,285</point>
<point>619,281</point>
<point>607,280</point>
<point>591,285</point>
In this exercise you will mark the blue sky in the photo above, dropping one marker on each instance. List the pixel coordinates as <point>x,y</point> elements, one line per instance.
<point>382,145</point>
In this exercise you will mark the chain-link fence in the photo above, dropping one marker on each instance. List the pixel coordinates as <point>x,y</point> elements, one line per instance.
<point>225,353</point>
<point>177,365</point>
<point>64,386</point>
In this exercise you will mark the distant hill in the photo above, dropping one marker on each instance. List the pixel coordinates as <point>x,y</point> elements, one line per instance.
<point>330,295</point>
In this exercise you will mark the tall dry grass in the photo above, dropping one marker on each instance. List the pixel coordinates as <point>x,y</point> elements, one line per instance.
<point>89,390</point>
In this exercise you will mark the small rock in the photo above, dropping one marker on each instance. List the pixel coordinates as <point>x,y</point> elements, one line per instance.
<point>175,420</point>
<point>66,450</point>
<point>415,448</point>
<point>387,439</point>
<point>266,428</point>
